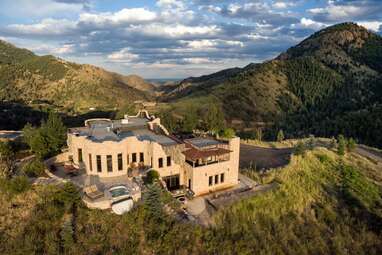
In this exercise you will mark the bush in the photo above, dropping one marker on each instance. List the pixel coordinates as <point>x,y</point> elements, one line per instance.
<point>299,149</point>
<point>152,176</point>
<point>14,186</point>
<point>227,133</point>
<point>35,168</point>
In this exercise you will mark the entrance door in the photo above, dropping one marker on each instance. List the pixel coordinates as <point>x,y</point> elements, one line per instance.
<point>172,182</point>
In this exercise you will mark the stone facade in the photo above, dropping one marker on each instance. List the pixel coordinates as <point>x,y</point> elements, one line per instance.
<point>104,150</point>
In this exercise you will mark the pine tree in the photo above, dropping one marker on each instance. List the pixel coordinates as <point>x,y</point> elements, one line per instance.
<point>190,120</point>
<point>280,136</point>
<point>7,160</point>
<point>341,145</point>
<point>213,118</point>
<point>153,203</point>
<point>351,144</point>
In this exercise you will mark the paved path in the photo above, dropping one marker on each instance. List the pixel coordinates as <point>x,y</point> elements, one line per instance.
<point>369,153</point>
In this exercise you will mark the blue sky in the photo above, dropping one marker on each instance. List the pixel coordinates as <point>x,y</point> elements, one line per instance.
<point>173,38</point>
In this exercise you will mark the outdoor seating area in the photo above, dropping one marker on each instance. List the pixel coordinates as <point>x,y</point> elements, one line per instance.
<point>92,192</point>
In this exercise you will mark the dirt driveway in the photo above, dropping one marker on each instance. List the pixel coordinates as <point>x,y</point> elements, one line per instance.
<point>263,158</point>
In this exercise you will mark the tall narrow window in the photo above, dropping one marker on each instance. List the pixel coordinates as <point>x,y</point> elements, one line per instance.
<point>79,155</point>
<point>222,177</point>
<point>216,179</point>
<point>109,161</point>
<point>141,157</point>
<point>99,164</point>
<point>90,162</point>
<point>168,161</point>
<point>120,163</point>
<point>210,181</point>
<point>160,162</point>
<point>127,158</point>
<point>134,157</point>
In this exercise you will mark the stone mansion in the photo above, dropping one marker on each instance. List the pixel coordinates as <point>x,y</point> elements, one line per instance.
<point>112,148</point>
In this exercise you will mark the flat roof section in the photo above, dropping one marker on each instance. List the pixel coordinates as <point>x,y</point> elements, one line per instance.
<point>148,135</point>
<point>201,142</point>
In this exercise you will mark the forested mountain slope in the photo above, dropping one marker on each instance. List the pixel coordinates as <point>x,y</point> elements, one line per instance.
<point>29,78</point>
<point>328,84</point>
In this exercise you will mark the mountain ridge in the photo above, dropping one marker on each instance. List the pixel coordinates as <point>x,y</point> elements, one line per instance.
<point>27,77</point>
<point>334,76</point>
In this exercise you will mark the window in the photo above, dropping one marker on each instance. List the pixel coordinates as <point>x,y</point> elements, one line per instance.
<point>210,181</point>
<point>172,182</point>
<point>134,157</point>
<point>99,164</point>
<point>222,177</point>
<point>160,162</point>
<point>168,161</point>
<point>141,157</point>
<point>90,162</point>
<point>217,179</point>
<point>79,155</point>
<point>128,159</point>
<point>120,163</point>
<point>109,162</point>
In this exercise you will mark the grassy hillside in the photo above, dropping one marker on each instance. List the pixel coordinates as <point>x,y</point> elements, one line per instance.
<point>70,87</point>
<point>330,83</point>
<point>324,204</point>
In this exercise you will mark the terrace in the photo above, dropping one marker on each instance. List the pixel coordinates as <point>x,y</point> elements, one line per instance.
<point>205,151</point>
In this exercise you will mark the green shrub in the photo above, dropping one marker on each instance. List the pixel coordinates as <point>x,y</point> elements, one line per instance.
<point>299,149</point>
<point>227,133</point>
<point>152,176</point>
<point>323,158</point>
<point>35,168</point>
<point>14,186</point>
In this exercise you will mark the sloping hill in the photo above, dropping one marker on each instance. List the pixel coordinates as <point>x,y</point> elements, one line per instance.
<point>29,78</point>
<point>328,84</point>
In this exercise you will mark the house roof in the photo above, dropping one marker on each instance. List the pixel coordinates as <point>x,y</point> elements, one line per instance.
<point>201,142</point>
<point>195,154</point>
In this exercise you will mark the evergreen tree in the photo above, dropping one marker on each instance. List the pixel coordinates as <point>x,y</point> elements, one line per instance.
<point>213,118</point>
<point>169,121</point>
<point>190,120</point>
<point>351,144</point>
<point>67,235</point>
<point>55,131</point>
<point>48,139</point>
<point>341,145</point>
<point>280,136</point>
<point>7,160</point>
<point>153,203</point>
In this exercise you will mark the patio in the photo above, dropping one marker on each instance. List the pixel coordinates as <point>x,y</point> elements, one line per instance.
<point>82,180</point>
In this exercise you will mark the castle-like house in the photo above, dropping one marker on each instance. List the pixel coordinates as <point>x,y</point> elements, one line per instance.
<point>111,148</point>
